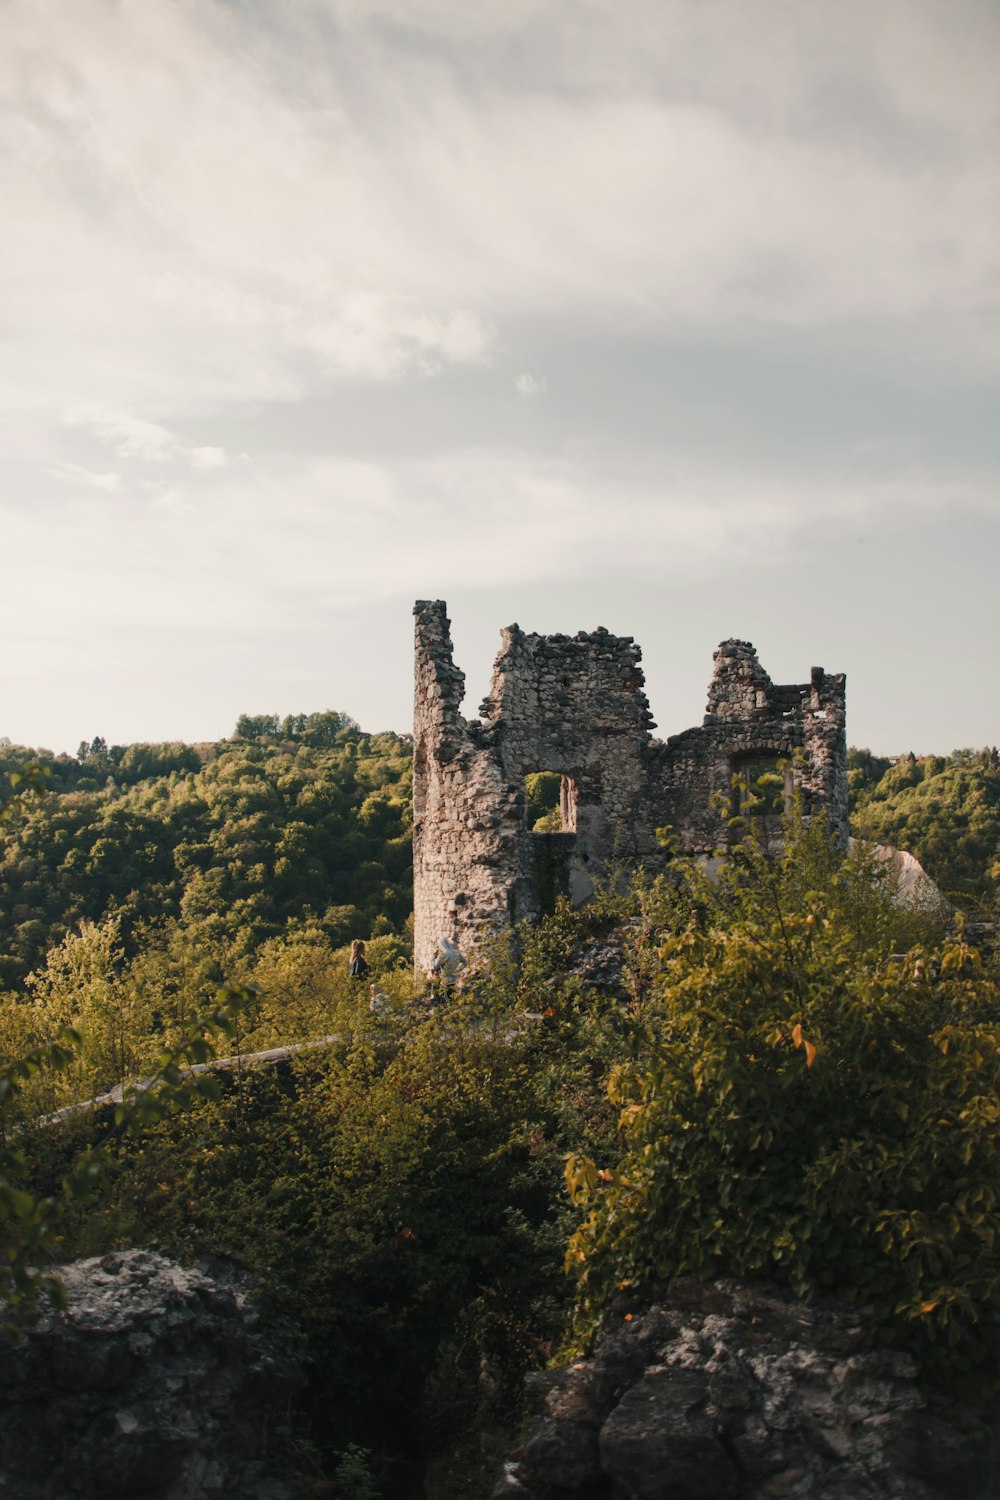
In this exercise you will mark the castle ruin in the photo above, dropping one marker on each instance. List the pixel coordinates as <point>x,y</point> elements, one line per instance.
<point>576,705</point>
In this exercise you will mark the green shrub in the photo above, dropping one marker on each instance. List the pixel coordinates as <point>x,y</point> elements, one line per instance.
<point>397,1194</point>
<point>353,1476</point>
<point>807,1108</point>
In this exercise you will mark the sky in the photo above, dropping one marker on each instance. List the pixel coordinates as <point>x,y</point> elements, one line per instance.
<point>680,317</point>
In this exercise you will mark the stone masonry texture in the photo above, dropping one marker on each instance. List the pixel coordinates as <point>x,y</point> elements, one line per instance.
<point>576,705</point>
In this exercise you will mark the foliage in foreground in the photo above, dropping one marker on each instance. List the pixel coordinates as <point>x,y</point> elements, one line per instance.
<point>397,1194</point>
<point>126,1007</point>
<point>32,1222</point>
<point>807,1108</point>
<point>770,1093</point>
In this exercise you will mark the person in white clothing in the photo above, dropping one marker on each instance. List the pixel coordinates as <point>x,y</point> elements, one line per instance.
<point>447,964</point>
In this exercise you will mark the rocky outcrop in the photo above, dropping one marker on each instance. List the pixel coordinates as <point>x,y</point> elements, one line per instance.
<point>155,1382</point>
<point>720,1392</point>
<point>911,885</point>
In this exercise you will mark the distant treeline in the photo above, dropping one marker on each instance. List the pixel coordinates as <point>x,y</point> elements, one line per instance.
<point>305,819</point>
<point>308,819</point>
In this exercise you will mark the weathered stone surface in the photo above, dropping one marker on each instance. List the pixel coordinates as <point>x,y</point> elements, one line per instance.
<point>929,1449</point>
<point>720,1390</point>
<point>563,1453</point>
<point>908,881</point>
<point>567,1393</point>
<point>661,1441</point>
<point>626,1352</point>
<point>577,706</point>
<point>154,1383</point>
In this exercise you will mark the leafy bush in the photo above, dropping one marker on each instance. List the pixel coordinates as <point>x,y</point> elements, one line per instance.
<point>33,1222</point>
<point>807,1108</point>
<point>398,1194</point>
<point>353,1475</point>
<point>542,791</point>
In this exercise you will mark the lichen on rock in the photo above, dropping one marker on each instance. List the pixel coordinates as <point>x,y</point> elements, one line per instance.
<point>721,1391</point>
<point>156,1381</point>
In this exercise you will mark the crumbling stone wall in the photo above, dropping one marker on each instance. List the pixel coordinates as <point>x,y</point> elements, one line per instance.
<point>577,705</point>
<point>750,719</point>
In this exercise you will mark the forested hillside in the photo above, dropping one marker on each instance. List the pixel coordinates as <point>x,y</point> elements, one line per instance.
<point>307,820</point>
<point>944,809</point>
<point>763,1090</point>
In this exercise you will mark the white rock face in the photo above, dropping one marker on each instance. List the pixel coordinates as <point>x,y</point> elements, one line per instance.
<point>155,1382</point>
<point>722,1391</point>
<point>910,885</point>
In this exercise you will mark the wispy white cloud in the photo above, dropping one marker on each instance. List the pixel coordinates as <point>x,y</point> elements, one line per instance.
<point>232,226</point>
<point>367,336</point>
<point>77,474</point>
<point>206,458</point>
<point>127,436</point>
<point>355,532</point>
<point>134,437</point>
<point>528,385</point>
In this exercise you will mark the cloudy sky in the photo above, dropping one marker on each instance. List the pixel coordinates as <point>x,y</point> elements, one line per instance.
<point>680,317</point>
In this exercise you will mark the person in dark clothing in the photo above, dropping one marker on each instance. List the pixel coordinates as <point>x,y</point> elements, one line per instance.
<point>359,968</point>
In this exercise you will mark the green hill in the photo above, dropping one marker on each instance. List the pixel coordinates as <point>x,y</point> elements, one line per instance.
<point>307,820</point>
<point>944,809</point>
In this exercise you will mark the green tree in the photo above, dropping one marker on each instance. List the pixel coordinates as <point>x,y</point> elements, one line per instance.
<point>542,792</point>
<point>253,834</point>
<point>807,1108</point>
<point>256,727</point>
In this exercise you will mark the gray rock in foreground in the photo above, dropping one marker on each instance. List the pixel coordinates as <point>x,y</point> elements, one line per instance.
<point>723,1392</point>
<point>154,1383</point>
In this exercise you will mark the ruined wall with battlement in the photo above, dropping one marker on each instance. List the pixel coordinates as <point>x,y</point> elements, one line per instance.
<point>576,705</point>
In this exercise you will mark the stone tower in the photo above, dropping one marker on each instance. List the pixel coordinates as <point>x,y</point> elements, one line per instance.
<point>576,705</point>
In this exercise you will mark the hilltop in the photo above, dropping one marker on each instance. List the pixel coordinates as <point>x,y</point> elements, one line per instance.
<point>304,822</point>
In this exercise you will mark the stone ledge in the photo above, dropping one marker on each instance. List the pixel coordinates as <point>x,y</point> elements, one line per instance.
<point>722,1391</point>
<point>155,1381</point>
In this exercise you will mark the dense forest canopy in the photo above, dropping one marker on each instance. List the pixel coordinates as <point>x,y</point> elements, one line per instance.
<point>944,809</point>
<point>305,820</point>
<point>146,875</point>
